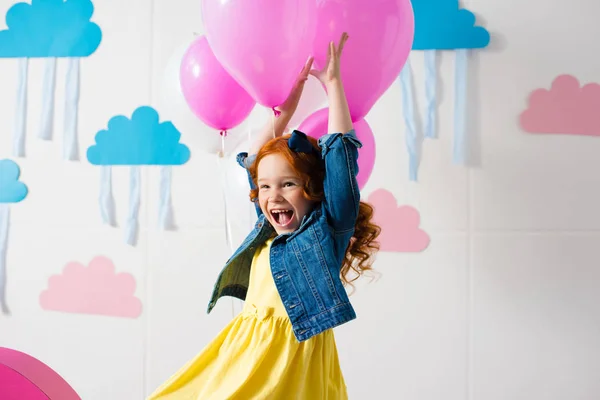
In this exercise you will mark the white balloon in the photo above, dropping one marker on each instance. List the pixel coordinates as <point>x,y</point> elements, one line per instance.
<point>240,210</point>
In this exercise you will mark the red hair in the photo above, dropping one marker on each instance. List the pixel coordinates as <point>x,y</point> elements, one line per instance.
<point>311,170</point>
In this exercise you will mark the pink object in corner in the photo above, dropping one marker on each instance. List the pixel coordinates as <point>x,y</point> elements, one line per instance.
<point>95,289</point>
<point>567,108</point>
<point>400,231</point>
<point>23,377</point>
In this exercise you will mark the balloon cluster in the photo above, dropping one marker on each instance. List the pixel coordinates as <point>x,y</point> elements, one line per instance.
<point>253,50</point>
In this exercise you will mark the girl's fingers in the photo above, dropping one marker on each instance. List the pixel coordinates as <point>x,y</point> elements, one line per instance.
<point>343,40</point>
<point>307,66</point>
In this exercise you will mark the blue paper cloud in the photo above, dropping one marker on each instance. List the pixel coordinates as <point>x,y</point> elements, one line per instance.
<point>11,189</point>
<point>441,25</point>
<point>141,140</point>
<point>50,28</point>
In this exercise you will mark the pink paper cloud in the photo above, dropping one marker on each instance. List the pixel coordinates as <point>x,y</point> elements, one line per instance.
<point>400,230</point>
<point>95,289</point>
<point>566,108</point>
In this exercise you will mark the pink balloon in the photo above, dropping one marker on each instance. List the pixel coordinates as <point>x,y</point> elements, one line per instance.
<point>210,92</point>
<point>380,39</point>
<point>262,43</point>
<point>316,126</point>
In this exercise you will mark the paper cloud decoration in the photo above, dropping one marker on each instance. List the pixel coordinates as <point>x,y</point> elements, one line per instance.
<point>25,377</point>
<point>440,25</point>
<point>11,189</point>
<point>49,29</point>
<point>400,231</point>
<point>141,140</point>
<point>567,108</point>
<point>96,289</point>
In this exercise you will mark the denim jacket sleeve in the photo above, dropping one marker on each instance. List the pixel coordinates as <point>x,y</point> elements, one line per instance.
<point>245,161</point>
<point>342,195</point>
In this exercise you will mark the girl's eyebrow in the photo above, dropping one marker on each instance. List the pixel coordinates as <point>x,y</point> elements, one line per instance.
<point>292,177</point>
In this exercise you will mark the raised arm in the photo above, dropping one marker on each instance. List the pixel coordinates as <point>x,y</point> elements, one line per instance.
<point>287,109</point>
<point>330,77</point>
<point>339,147</point>
<point>277,128</point>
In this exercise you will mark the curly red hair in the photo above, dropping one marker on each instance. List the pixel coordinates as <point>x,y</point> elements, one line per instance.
<point>311,170</point>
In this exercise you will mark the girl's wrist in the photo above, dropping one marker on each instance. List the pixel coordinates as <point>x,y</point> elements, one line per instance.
<point>334,84</point>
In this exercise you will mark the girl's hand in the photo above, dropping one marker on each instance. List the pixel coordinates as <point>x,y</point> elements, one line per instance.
<point>291,103</point>
<point>331,70</point>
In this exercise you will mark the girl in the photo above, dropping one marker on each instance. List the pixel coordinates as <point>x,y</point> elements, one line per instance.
<point>312,229</point>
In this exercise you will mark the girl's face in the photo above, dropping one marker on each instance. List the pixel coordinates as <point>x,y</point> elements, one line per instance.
<point>281,194</point>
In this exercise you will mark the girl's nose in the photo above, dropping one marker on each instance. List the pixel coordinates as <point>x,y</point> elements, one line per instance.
<point>275,196</point>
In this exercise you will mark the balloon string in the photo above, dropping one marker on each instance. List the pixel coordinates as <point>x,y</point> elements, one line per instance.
<point>273,125</point>
<point>223,134</point>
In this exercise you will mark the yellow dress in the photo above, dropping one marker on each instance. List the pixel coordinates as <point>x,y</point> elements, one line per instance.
<point>256,356</point>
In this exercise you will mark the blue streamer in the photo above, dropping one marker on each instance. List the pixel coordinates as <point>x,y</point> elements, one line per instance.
<point>165,208</point>
<point>49,84</point>
<point>132,227</point>
<point>460,105</point>
<point>430,93</point>
<point>409,118</point>
<point>21,109</point>
<point>70,145</point>
<point>4,224</point>
<point>106,200</point>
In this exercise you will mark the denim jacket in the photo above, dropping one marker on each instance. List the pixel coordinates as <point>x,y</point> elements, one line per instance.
<point>306,263</point>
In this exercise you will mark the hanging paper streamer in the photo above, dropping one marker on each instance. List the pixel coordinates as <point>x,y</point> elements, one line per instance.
<point>135,196</point>
<point>442,25</point>
<point>409,118</point>
<point>70,143</point>
<point>20,127</point>
<point>136,141</point>
<point>106,200</point>
<point>460,106</point>
<point>165,208</point>
<point>47,120</point>
<point>35,31</point>
<point>11,191</point>
<point>430,93</point>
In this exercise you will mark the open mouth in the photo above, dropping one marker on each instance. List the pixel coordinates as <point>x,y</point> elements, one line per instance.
<point>282,217</point>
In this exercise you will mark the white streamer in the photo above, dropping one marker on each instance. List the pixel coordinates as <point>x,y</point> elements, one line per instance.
<point>106,200</point>
<point>460,106</point>
<point>70,143</point>
<point>430,93</point>
<point>409,118</point>
<point>49,84</point>
<point>20,127</point>
<point>132,226</point>
<point>4,224</point>
<point>165,208</point>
